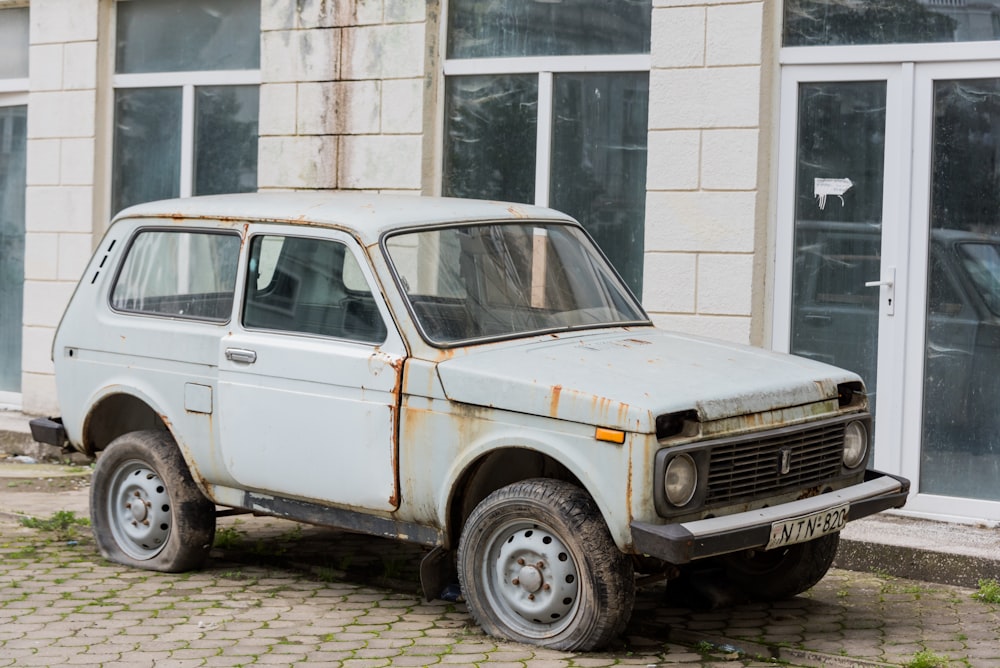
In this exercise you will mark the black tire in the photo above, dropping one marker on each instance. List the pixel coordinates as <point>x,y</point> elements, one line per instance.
<point>538,566</point>
<point>784,572</point>
<point>145,509</point>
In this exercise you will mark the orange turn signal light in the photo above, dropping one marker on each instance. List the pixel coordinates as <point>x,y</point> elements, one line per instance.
<point>610,435</point>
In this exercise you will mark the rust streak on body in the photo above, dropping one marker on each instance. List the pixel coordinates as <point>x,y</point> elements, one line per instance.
<point>554,401</point>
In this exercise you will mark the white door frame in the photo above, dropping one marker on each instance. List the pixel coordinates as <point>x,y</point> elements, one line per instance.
<point>905,231</point>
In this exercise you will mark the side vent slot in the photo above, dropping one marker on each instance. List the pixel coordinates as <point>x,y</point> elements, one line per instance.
<point>103,260</point>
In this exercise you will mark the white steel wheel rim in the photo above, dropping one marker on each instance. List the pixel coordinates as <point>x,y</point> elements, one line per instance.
<point>139,510</point>
<point>531,579</point>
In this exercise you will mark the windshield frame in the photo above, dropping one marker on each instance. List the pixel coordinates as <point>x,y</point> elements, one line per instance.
<point>590,246</point>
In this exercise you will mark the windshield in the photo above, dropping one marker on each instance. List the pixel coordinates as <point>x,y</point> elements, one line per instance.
<point>503,280</point>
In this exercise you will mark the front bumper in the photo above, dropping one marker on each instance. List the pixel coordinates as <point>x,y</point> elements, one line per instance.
<point>687,541</point>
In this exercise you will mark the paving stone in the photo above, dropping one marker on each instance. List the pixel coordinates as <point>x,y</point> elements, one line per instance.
<point>67,606</point>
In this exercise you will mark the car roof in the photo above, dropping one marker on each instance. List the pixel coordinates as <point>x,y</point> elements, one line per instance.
<point>367,215</point>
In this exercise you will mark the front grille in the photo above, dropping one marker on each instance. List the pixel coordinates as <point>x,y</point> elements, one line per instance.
<point>751,466</point>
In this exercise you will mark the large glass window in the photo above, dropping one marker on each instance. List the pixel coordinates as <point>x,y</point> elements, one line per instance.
<point>831,22</point>
<point>547,103</point>
<point>186,99</point>
<point>13,139</point>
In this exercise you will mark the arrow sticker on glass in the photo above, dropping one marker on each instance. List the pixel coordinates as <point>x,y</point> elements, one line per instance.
<point>822,188</point>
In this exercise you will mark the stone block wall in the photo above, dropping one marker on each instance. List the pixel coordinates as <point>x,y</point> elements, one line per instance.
<point>60,198</point>
<point>343,103</point>
<point>704,166</point>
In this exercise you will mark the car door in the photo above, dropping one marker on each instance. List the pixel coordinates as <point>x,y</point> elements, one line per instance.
<point>309,376</point>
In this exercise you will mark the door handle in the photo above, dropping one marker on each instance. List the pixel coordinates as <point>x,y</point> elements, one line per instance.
<point>241,355</point>
<point>889,285</point>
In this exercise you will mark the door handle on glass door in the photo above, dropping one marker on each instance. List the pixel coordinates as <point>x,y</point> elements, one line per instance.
<point>889,283</point>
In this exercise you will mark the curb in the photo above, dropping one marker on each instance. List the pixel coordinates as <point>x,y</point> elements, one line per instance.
<point>914,563</point>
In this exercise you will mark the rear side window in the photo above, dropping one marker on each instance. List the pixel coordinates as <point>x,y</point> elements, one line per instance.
<point>181,274</point>
<point>310,286</point>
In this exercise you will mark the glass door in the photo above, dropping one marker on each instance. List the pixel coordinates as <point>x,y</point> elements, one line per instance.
<point>888,261</point>
<point>838,231</point>
<point>955,323</point>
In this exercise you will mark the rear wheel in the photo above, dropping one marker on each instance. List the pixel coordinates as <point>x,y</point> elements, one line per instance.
<point>538,566</point>
<point>145,508</point>
<point>784,572</point>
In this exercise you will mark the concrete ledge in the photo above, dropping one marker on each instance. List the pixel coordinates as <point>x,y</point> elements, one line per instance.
<point>15,439</point>
<point>918,549</point>
<point>15,435</point>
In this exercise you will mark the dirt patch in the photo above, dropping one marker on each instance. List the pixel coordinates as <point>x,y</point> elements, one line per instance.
<point>55,484</point>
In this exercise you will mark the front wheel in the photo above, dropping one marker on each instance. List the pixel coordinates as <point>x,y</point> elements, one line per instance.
<point>781,573</point>
<point>145,509</point>
<point>537,565</point>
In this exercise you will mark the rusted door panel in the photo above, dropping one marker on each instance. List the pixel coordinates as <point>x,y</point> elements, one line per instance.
<point>310,418</point>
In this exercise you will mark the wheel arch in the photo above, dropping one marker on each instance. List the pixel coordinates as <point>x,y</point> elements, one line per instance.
<point>118,412</point>
<point>493,470</point>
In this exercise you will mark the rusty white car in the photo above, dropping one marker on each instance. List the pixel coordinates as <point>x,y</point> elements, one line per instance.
<point>471,376</point>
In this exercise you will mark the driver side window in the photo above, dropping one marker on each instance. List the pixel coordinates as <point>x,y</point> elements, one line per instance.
<point>309,286</point>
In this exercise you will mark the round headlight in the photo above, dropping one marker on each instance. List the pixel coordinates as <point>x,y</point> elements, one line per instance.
<point>855,444</point>
<point>680,480</point>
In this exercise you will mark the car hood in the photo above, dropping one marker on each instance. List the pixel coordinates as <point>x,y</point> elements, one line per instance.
<point>626,378</point>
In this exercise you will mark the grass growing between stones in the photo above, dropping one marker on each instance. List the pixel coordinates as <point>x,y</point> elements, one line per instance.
<point>989,591</point>
<point>927,659</point>
<point>227,538</point>
<point>64,523</point>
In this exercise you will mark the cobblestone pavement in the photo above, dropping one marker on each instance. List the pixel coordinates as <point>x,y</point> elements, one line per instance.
<point>279,593</point>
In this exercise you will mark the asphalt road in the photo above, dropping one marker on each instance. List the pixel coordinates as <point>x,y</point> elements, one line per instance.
<point>279,593</point>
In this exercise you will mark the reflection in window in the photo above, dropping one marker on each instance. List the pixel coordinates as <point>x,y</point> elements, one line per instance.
<point>14,43</point>
<point>961,384</point>
<point>187,36</point>
<point>179,274</point>
<point>491,29</point>
<point>838,231</point>
<point>225,141</point>
<point>599,159</point>
<point>490,149</point>
<point>554,132</point>
<point>310,286</point>
<point>147,145</point>
<point>160,42</point>
<point>490,281</point>
<point>13,142</point>
<point>982,264</point>
<point>833,22</point>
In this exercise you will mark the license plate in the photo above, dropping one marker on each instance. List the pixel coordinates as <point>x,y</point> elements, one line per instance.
<point>802,529</point>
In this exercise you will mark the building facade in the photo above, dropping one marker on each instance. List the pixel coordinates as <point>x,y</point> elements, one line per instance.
<point>815,176</point>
